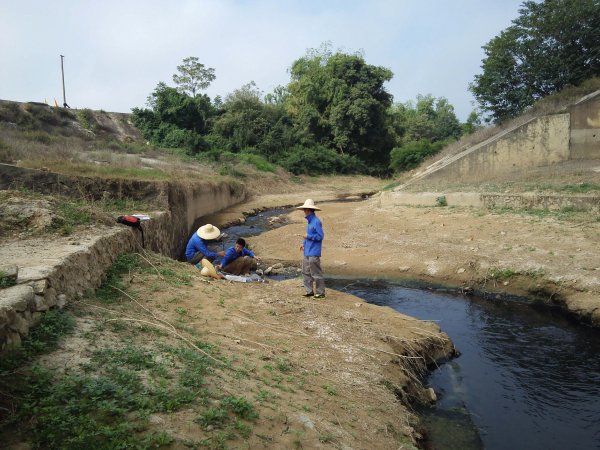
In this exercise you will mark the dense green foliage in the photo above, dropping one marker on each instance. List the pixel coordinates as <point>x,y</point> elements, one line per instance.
<point>552,44</point>
<point>175,118</point>
<point>422,129</point>
<point>335,116</point>
<point>413,153</point>
<point>340,102</point>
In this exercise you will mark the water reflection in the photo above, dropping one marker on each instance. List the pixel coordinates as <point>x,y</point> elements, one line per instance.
<point>528,378</point>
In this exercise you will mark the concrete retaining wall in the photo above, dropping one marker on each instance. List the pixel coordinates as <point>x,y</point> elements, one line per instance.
<point>585,128</point>
<point>541,142</point>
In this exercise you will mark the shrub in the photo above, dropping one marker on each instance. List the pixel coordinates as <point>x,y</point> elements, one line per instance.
<point>320,160</point>
<point>413,153</point>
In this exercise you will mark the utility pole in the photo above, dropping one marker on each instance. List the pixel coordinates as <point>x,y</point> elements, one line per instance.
<point>62,69</point>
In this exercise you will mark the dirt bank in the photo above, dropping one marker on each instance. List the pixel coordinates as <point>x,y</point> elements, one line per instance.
<point>552,261</point>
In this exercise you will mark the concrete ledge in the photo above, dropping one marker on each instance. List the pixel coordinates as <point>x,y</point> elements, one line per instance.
<point>492,200</point>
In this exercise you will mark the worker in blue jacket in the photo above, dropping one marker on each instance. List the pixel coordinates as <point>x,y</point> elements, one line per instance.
<point>238,260</point>
<point>311,246</point>
<point>197,249</point>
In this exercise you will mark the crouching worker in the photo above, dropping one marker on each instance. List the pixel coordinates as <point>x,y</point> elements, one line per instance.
<point>196,247</point>
<point>238,260</point>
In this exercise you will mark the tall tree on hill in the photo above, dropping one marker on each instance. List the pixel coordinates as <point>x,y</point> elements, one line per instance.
<point>550,45</point>
<point>193,76</point>
<point>340,101</point>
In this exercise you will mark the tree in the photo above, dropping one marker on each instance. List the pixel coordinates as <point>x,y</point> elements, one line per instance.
<point>550,45</point>
<point>341,102</point>
<point>429,118</point>
<point>175,119</point>
<point>193,76</point>
<point>248,124</point>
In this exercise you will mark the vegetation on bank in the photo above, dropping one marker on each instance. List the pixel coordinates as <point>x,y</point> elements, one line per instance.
<point>108,399</point>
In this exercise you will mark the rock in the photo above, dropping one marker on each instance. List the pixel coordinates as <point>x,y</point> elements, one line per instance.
<point>461,270</point>
<point>20,325</point>
<point>18,297</point>
<point>39,286</point>
<point>278,266</point>
<point>13,340</point>
<point>61,301</point>
<point>268,270</point>
<point>260,272</point>
<point>10,272</point>
<point>430,395</point>
<point>50,297</point>
<point>40,304</point>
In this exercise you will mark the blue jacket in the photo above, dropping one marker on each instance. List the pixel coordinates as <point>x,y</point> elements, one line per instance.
<point>231,255</point>
<point>197,244</point>
<point>314,236</point>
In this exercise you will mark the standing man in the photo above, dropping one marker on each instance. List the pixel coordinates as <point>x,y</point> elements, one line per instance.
<point>311,263</point>
<point>196,248</point>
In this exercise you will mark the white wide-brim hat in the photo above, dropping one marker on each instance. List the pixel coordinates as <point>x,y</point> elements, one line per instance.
<point>208,231</point>
<point>208,270</point>
<point>309,204</point>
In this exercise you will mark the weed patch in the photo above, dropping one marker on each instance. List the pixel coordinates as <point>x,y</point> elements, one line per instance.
<point>6,281</point>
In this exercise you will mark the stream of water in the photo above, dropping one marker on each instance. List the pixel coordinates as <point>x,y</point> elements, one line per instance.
<point>526,378</point>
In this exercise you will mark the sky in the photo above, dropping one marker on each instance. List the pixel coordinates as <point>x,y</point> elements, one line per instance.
<point>117,51</point>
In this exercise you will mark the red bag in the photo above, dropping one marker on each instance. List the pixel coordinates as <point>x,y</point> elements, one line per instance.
<point>134,222</point>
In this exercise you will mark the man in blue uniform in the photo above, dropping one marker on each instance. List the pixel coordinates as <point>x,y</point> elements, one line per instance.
<point>196,247</point>
<point>311,246</point>
<point>238,260</point>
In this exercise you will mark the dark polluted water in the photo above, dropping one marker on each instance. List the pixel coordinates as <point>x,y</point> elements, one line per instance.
<point>525,379</point>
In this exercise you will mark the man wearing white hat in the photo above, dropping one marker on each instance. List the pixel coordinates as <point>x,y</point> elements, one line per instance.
<point>311,246</point>
<point>196,247</point>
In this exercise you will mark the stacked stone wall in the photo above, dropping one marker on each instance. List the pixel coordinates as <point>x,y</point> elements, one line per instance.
<point>53,278</point>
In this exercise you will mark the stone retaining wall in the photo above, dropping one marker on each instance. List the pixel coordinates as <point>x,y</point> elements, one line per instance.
<point>64,268</point>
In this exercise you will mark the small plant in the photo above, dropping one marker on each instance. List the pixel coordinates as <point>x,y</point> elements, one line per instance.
<point>329,389</point>
<point>6,281</point>
<point>325,438</point>
<point>502,274</point>
<point>213,416</point>
<point>86,118</point>
<point>240,406</point>
<point>284,366</point>
<point>441,201</point>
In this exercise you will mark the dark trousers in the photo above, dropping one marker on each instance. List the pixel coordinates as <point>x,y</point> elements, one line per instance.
<point>198,257</point>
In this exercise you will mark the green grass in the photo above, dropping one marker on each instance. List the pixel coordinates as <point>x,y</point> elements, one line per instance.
<point>125,263</point>
<point>6,281</point>
<point>257,161</point>
<point>502,274</point>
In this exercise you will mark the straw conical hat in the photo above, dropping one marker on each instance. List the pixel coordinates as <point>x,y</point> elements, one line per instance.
<point>309,204</point>
<point>208,232</point>
<point>208,270</point>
